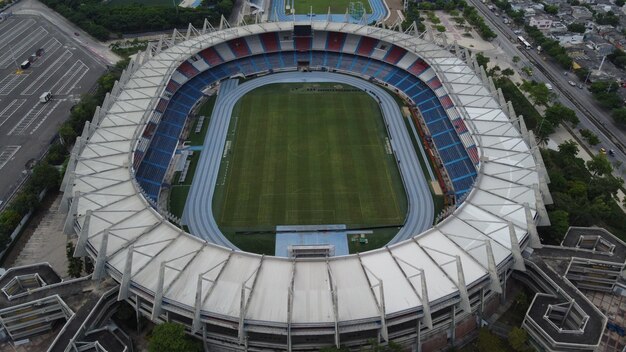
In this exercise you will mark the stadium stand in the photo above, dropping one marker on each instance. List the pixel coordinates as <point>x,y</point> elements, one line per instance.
<point>335,41</point>
<point>239,47</point>
<point>394,55</point>
<point>444,133</point>
<point>366,46</point>
<point>211,56</point>
<point>270,42</point>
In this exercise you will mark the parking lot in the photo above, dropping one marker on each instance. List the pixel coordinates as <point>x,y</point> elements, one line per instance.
<point>64,68</point>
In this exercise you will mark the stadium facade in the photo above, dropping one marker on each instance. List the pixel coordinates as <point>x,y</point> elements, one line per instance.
<point>426,292</point>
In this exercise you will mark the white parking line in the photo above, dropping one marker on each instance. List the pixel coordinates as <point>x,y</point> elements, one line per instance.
<point>77,71</point>
<point>49,48</point>
<point>11,82</point>
<point>45,76</point>
<point>31,116</point>
<point>16,32</point>
<point>18,51</point>
<point>7,153</point>
<point>10,110</point>
<point>43,119</point>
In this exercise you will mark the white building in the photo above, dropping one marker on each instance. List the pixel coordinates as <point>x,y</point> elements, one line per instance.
<point>540,22</point>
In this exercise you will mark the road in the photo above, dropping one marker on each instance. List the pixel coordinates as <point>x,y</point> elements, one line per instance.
<point>198,213</point>
<point>592,117</point>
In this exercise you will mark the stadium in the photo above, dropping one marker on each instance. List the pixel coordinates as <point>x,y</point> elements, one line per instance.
<point>426,289</point>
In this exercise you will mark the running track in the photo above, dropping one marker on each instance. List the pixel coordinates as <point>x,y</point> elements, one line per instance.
<point>198,213</point>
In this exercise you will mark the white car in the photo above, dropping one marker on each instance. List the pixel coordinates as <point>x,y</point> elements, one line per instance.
<point>571,83</point>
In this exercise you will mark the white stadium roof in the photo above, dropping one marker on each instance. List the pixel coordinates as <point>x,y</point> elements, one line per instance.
<point>151,256</point>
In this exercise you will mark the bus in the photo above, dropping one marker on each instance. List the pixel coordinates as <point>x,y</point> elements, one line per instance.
<point>524,42</point>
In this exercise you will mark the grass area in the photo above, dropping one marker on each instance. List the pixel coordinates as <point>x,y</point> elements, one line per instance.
<point>327,162</point>
<point>178,197</point>
<point>179,191</point>
<point>321,6</point>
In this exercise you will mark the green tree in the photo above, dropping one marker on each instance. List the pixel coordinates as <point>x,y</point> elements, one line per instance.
<point>619,115</point>
<point>559,223</point>
<point>507,72</point>
<point>568,149</point>
<point>599,165</point>
<point>558,113</point>
<point>482,60</point>
<point>551,9</point>
<point>516,59</point>
<point>576,27</point>
<point>518,338</point>
<point>74,265</point>
<point>488,342</point>
<point>539,92</point>
<point>170,337</point>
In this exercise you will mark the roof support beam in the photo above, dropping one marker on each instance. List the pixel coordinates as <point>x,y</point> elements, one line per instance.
<point>98,271</point>
<point>493,269</point>
<point>126,275</point>
<point>81,250</point>
<point>245,301</point>
<point>158,293</point>
<point>290,304</point>
<point>333,297</point>
<point>465,303</point>
<point>518,261</point>
<point>68,228</point>
<point>195,326</point>
<point>544,220</point>
<point>535,242</point>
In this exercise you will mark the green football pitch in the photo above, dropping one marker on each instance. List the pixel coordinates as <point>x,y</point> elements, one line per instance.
<point>303,7</point>
<point>307,154</point>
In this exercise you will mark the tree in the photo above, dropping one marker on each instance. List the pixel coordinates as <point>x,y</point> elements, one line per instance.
<point>538,92</point>
<point>620,3</point>
<point>558,113</point>
<point>170,337</point>
<point>568,149</point>
<point>576,27</point>
<point>590,137</point>
<point>551,9</point>
<point>488,342</point>
<point>516,59</point>
<point>518,338</point>
<point>559,223</point>
<point>74,265</point>
<point>619,115</point>
<point>507,72</point>
<point>482,60</point>
<point>599,165</point>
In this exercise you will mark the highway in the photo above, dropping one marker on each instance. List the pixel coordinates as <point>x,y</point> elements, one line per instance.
<point>591,116</point>
<point>198,213</point>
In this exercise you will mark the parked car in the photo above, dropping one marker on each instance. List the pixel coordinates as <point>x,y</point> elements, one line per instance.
<point>571,83</point>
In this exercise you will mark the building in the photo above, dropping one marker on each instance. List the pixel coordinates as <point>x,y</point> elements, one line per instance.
<point>581,13</point>
<point>540,22</point>
<point>570,39</point>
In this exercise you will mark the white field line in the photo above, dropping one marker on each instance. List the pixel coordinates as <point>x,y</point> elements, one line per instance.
<point>10,110</point>
<point>45,76</point>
